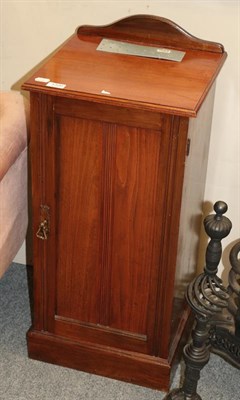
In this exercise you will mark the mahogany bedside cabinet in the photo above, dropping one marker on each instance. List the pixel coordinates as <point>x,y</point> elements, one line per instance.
<point>120,128</point>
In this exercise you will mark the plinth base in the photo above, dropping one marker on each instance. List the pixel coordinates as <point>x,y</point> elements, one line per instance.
<point>127,366</point>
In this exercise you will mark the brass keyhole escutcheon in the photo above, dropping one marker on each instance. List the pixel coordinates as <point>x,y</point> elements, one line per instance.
<point>44,226</point>
<point>42,232</point>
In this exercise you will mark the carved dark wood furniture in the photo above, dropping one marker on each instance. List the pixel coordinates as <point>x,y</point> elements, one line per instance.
<point>216,308</point>
<point>119,147</point>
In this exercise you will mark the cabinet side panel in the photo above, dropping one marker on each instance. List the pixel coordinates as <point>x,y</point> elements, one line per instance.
<point>192,204</point>
<point>79,165</point>
<point>193,195</point>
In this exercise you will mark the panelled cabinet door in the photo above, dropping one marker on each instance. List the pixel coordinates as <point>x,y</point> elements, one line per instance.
<point>105,185</point>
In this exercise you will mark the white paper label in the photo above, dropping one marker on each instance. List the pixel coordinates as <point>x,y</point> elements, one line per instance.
<point>40,79</point>
<point>105,92</point>
<point>56,85</point>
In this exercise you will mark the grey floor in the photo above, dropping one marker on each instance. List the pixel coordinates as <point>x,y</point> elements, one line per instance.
<point>25,379</point>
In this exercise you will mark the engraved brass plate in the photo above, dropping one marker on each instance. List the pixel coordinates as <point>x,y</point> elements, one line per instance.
<point>115,46</point>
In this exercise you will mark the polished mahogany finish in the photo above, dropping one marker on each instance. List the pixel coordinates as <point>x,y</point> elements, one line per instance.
<point>118,173</point>
<point>163,86</point>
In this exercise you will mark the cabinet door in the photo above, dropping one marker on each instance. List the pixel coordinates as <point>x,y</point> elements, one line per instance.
<point>103,174</point>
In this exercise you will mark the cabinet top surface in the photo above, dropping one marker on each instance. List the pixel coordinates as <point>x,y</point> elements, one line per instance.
<point>128,80</point>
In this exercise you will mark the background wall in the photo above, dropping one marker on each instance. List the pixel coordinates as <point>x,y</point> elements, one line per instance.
<point>31,30</point>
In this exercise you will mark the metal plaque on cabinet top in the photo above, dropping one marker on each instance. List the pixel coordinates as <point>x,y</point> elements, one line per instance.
<point>115,46</point>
